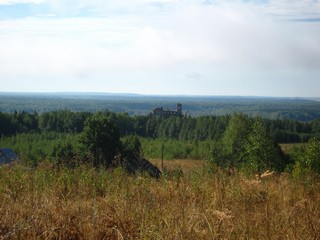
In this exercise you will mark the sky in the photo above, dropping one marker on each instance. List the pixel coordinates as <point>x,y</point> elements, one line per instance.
<point>163,47</point>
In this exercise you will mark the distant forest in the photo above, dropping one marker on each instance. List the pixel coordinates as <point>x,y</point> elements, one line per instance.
<point>185,128</point>
<point>140,105</point>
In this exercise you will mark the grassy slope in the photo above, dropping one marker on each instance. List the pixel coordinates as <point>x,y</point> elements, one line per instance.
<point>51,203</point>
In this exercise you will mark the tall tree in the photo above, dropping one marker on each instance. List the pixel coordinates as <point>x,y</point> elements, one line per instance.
<point>260,152</point>
<point>101,138</point>
<point>234,138</point>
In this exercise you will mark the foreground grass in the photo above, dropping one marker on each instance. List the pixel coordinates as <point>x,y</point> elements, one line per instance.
<point>83,203</point>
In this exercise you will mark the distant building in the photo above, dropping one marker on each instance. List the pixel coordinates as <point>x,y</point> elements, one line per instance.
<point>159,111</point>
<point>7,156</point>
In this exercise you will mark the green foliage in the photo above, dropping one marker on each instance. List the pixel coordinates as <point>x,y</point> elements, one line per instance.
<point>308,159</point>
<point>247,146</point>
<point>101,139</point>
<point>63,121</point>
<point>64,153</point>
<point>33,148</point>
<point>131,148</point>
<point>18,123</point>
<point>185,128</point>
<point>234,139</point>
<point>175,149</point>
<point>260,152</point>
<point>218,158</point>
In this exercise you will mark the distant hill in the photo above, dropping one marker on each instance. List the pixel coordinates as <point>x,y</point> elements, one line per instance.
<point>275,108</point>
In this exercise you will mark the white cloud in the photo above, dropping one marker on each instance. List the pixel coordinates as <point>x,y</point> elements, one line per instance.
<point>294,9</point>
<point>224,43</point>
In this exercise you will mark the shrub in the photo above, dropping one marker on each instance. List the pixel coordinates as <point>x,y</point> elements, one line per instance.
<point>308,159</point>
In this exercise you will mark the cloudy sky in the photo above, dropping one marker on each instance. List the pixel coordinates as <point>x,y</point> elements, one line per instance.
<point>196,47</point>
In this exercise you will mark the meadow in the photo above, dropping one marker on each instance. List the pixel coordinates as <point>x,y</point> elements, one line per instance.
<point>218,187</point>
<point>50,202</point>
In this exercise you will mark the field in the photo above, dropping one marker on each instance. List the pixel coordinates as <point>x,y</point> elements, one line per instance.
<point>56,193</point>
<point>86,203</point>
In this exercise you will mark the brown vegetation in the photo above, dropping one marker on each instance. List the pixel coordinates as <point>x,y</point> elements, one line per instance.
<point>186,165</point>
<point>83,203</point>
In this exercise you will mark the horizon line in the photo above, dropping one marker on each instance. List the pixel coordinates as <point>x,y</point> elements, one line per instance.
<point>146,95</point>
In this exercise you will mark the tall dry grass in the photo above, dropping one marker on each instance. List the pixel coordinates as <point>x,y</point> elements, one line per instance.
<point>83,203</point>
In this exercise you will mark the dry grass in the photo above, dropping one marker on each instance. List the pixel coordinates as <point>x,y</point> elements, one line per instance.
<point>186,165</point>
<point>84,203</point>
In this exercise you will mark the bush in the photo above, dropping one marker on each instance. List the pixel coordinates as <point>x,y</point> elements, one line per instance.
<point>308,159</point>
<point>64,153</point>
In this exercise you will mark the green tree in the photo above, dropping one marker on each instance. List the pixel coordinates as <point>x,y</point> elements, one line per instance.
<point>101,139</point>
<point>228,152</point>
<point>309,157</point>
<point>260,153</point>
<point>234,139</point>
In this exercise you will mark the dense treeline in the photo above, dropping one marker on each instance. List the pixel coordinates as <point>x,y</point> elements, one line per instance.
<point>234,142</point>
<point>184,128</point>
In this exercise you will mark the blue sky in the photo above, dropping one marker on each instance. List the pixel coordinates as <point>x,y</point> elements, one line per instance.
<point>189,47</point>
